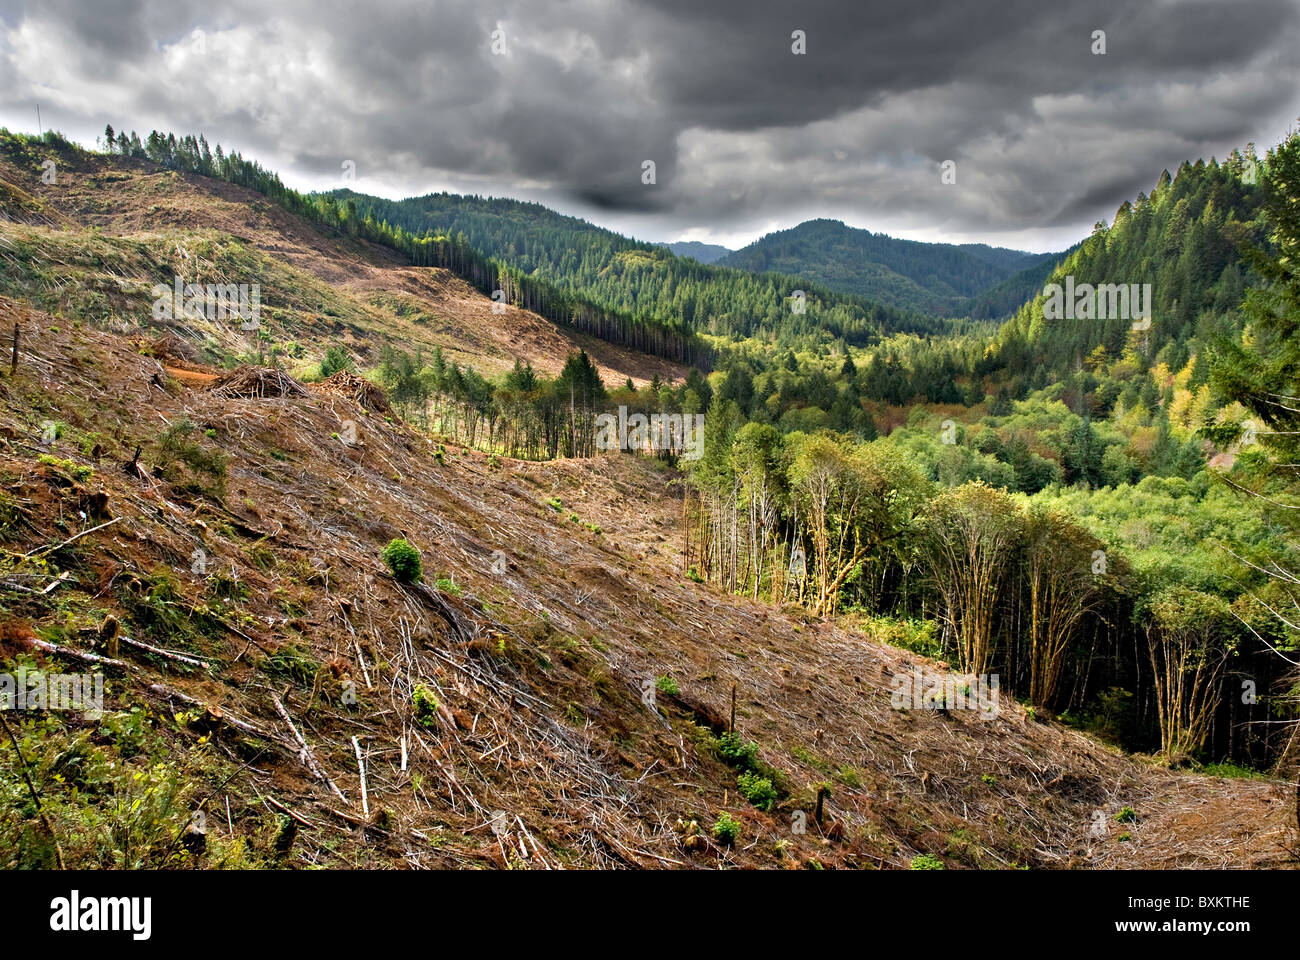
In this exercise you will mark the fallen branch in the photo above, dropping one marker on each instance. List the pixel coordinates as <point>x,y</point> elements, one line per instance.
<point>287,812</point>
<point>59,546</point>
<point>308,758</point>
<point>157,651</point>
<point>82,656</point>
<point>166,693</point>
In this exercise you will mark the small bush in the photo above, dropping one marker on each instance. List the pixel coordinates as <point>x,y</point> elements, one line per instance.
<point>849,776</point>
<point>426,706</point>
<point>757,790</point>
<point>736,751</point>
<point>1127,815</point>
<point>667,686</point>
<point>403,561</point>
<point>927,861</point>
<point>75,470</point>
<point>178,447</point>
<point>726,829</point>
<point>336,359</point>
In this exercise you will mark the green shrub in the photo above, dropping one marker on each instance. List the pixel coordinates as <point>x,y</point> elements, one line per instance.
<point>736,751</point>
<point>849,776</point>
<point>336,359</point>
<point>726,829</point>
<point>667,686</point>
<point>178,447</point>
<point>757,790</point>
<point>426,706</point>
<point>404,561</point>
<point>927,861</point>
<point>1127,815</point>
<point>75,470</point>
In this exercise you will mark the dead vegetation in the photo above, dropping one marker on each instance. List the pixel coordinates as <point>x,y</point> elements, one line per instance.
<point>497,713</point>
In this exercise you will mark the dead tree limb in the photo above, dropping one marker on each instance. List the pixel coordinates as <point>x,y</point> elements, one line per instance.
<point>308,758</point>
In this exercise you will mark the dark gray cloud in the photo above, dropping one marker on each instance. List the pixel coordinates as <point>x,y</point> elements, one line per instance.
<point>746,136</point>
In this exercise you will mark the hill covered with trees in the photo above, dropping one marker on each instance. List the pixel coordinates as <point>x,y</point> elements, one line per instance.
<point>629,276</point>
<point>935,278</point>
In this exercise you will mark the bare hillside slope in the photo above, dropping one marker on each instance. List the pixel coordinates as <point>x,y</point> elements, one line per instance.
<point>501,707</point>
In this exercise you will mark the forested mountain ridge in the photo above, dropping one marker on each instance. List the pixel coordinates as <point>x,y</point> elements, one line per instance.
<point>936,278</point>
<point>703,252</point>
<point>646,279</point>
<point>1008,296</point>
<point>1186,239</point>
<point>321,286</point>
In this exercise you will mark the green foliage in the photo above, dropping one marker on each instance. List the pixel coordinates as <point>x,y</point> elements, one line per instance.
<point>403,561</point>
<point>756,789</point>
<point>1232,771</point>
<point>667,686</point>
<point>1126,815</point>
<point>117,797</point>
<point>207,467</point>
<point>737,751</point>
<point>927,861</point>
<point>336,359</point>
<point>726,829</point>
<point>74,470</point>
<point>426,706</point>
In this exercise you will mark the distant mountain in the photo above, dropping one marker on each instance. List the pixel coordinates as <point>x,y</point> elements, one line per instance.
<point>934,278</point>
<point>703,252</point>
<point>1007,297</point>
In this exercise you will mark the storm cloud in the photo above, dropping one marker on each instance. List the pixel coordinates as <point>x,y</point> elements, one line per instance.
<point>564,101</point>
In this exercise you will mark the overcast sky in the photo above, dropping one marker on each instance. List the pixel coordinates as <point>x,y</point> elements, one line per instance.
<point>569,99</point>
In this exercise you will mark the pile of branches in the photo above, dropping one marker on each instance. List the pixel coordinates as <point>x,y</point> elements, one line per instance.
<point>359,390</point>
<point>256,383</point>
